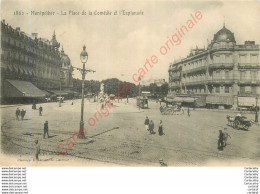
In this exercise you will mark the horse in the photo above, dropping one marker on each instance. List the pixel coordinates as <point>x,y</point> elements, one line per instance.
<point>230,120</point>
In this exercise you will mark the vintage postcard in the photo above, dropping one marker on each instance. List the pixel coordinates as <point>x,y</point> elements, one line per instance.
<point>130,83</point>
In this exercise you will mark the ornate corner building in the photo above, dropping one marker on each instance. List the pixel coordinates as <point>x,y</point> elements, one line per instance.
<point>66,71</point>
<point>225,75</point>
<point>31,66</point>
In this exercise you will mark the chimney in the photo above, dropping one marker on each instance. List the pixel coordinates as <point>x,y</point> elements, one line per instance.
<point>3,21</point>
<point>18,29</point>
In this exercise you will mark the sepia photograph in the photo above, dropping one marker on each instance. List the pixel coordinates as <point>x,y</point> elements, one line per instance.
<point>130,83</point>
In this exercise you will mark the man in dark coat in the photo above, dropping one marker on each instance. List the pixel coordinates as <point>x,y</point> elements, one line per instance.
<point>17,113</point>
<point>151,127</point>
<point>160,129</point>
<point>146,123</point>
<point>23,113</point>
<point>46,129</point>
<point>40,111</point>
<point>220,140</point>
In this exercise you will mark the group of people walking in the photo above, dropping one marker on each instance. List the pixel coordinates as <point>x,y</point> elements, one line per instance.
<point>20,114</point>
<point>149,126</point>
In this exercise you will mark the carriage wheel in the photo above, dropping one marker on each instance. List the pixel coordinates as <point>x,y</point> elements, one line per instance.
<point>236,124</point>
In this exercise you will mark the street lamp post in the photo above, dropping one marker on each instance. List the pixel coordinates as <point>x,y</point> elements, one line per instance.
<point>256,110</point>
<point>83,58</point>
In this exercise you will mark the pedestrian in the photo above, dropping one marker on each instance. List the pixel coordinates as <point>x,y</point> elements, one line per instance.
<point>189,111</point>
<point>102,106</point>
<point>226,136</point>
<point>151,127</point>
<point>17,113</point>
<point>72,103</point>
<point>40,110</point>
<point>220,140</point>
<point>23,113</point>
<point>37,150</point>
<point>146,123</point>
<point>160,130</point>
<point>46,129</point>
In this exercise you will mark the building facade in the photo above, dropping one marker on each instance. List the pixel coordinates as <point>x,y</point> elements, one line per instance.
<point>32,59</point>
<point>225,75</point>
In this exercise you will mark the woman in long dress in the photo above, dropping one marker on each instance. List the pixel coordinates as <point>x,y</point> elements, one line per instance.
<point>160,130</point>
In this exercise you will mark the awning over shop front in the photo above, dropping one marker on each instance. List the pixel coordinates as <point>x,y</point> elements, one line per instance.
<point>181,99</point>
<point>247,101</point>
<point>219,99</point>
<point>58,92</point>
<point>17,88</point>
<point>46,93</point>
<point>189,100</point>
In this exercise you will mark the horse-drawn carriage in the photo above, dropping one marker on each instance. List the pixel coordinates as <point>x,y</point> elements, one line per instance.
<point>239,122</point>
<point>171,110</point>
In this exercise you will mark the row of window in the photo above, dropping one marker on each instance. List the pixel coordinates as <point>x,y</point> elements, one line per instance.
<point>249,75</point>
<point>222,58</point>
<point>194,64</point>
<point>198,77</point>
<point>37,51</point>
<point>8,55</point>
<point>225,75</point>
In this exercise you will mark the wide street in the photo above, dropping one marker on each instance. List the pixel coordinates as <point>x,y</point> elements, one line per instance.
<point>121,139</point>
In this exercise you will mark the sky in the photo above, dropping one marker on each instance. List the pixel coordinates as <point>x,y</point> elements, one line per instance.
<point>118,45</point>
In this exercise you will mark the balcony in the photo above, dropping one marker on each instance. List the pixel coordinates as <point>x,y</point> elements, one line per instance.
<point>174,85</point>
<point>196,69</point>
<point>249,82</point>
<point>221,66</point>
<point>174,69</point>
<point>194,83</point>
<point>249,65</point>
<point>220,81</point>
<point>251,47</point>
<point>175,78</point>
<point>222,47</point>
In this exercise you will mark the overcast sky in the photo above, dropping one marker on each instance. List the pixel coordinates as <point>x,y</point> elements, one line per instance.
<point>119,45</point>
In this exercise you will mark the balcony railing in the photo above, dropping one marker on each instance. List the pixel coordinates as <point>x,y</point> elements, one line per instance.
<point>249,65</point>
<point>224,47</point>
<point>249,82</point>
<point>196,69</point>
<point>247,46</point>
<point>221,66</point>
<point>193,83</point>
<point>220,81</point>
<point>175,78</point>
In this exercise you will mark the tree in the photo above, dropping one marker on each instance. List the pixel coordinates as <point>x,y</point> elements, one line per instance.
<point>165,88</point>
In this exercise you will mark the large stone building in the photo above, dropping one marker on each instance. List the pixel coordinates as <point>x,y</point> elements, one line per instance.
<point>225,75</point>
<point>31,61</point>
